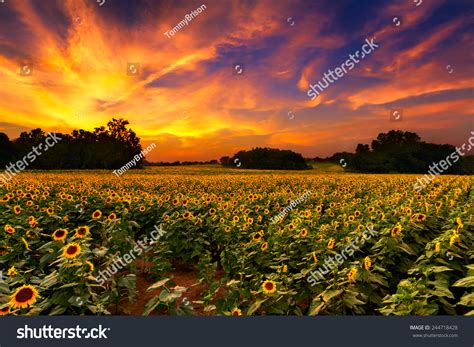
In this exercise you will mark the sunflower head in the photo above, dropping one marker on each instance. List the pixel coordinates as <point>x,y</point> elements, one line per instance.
<point>112,216</point>
<point>269,287</point>
<point>421,217</point>
<point>60,234</point>
<point>23,297</point>
<point>17,209</point>
<point>303,233</point>
<point>396,230</point>
<point>12,271</point>
<point>352,275</point>
<point>4,311</point>
<point>264,246</point>
<point>97,214</point>
<point>331,243</point>
<point>82,231</point>
<point>236,312</point>
<point>71,250</point>
<point>367,263</point>
<point>9,229</point>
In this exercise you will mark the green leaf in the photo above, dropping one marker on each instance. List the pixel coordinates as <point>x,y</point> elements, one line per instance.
<point>329,294</point>
<point>151,305</point>
<point>255,306</point>
<point>158,284</point>
<point>465,282</point>
<point>467,300</point>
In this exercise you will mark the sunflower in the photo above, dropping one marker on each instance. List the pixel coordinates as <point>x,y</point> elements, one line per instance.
<point>97,214</point>
<point>24,296</point>
<point>142,208</point>
<point>396,230</point>
<point>351,218</point>
<point>438,247</point>
<point>236,312</point>
<point>71,251</point>
<point>420,217</point>
<point>351,276</point>
<point>367,263</point>
<point>285,268</point>
<point>9,229</point>
<point>60,234</point>
<point>264,246</point>
<point>227,229</point>
<point>269,287</point>
<point>304,233</point>
<point>212,211</point>
<point>17,209</point>
<point>112,216</point>
<point>4,311</point>
<point>82,232</point>
<point>257,237</point>
<point>453,239</point>
<point>331,243</point>
<point>12,272</point>
<point>32,221</point>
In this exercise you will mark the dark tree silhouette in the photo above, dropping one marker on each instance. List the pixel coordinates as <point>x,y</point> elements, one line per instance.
<point>404,152</point>
<point>266,158</point>
<point>108,147</point>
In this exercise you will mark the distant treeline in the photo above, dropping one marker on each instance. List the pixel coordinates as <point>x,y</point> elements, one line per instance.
<point>267,159</point>
<point>180,163</point>
<point>404,152</point>
<point>105,148</point>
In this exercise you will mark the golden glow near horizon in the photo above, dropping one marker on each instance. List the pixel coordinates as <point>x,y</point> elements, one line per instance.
<point>187,99</point>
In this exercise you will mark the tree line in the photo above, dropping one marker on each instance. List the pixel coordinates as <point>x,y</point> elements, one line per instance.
<point>107,147</point>
<point>403,152</point>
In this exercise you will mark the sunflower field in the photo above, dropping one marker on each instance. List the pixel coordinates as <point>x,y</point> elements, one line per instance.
<point>60,230</point>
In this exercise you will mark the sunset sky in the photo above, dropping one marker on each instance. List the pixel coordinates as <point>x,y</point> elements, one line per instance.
<point>187,98</point>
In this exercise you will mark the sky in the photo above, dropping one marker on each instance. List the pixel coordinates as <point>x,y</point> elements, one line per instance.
<point>76,64</point>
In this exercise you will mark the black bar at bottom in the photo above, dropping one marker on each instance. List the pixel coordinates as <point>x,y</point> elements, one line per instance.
<point>272,331</point>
